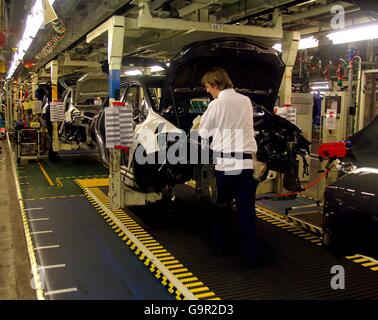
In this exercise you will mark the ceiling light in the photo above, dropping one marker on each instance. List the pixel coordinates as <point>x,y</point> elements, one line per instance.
<point>320,86</point>
<point>33,23</point>
<point>156,69</point>
<point>307,2</point>
<point>304,43</point>
<point>307,43</point>
<point>355,34</point>
<point>278,47</point>
<point>134,72</point>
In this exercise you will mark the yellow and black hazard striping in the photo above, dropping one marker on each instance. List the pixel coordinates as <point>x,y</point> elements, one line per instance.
<point>186,278</point>
<point>297,229</point>
<point>92,176</point>
<point>304,225</point>
<point>55,197</point>
<point>59,183</point>
<point>281,222</point>
<point>364,261</point>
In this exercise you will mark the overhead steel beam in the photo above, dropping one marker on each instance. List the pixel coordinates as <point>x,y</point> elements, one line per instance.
<point>348,23</point>
<point>115,27</point>
<point>98,31</point>
<point>202,4</point>
<point>193,7</point>
<point>146,21</point>
<point>315,12</point>
<point>68,62</point>
<point>78,33</point>
<point>252,8</point>
<point>289,54</point>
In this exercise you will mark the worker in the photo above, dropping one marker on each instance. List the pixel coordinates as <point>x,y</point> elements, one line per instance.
<point>228,120</point>
<point>43,93</point>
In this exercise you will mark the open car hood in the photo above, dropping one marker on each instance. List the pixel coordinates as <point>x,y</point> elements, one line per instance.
<point>254,69</point>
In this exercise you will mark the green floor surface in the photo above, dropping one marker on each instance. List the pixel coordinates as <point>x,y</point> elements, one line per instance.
<point>34,184</point>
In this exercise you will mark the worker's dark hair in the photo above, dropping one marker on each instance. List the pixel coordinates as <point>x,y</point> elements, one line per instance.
<point>43,91</point>
<point>40,93</point>
<point>217,77</point>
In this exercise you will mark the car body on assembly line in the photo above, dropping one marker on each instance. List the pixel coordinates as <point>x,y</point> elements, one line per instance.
<point>167,105</point>
<point>82,99</point>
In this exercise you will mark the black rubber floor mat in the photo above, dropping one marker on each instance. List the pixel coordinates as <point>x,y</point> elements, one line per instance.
<point>294,268</point>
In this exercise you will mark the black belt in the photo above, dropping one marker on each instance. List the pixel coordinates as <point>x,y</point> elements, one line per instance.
<point>233,155</point>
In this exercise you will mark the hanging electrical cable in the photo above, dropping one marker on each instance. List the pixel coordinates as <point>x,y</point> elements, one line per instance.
<point>60,32</point>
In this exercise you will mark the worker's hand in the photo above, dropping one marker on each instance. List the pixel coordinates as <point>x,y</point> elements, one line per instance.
<point>260,168</point>
<point>196,122</point>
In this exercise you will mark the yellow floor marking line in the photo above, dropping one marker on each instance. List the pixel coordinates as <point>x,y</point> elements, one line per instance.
<point>285,224</point>
<point>55,197</point>
<point>46,175</point>
<point>356,256</point>
<point>59,183</point>
<point>364,261</point>
<point>370,264</point>
<point>304,225</point>
<point>170,272</point>
<point>37,280</point>
<point>361,260</point>
<point>86,176</point>
<point>88,183</point>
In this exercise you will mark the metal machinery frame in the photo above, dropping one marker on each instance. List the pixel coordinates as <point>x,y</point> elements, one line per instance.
<point>53,66</point>
<point>8,110</point>
<point>115,27</point>
<point>170,35</point>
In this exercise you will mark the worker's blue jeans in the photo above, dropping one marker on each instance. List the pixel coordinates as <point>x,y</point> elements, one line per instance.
<point>242,188</point>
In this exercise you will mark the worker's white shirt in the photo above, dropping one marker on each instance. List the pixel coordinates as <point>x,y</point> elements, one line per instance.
<point>229,119</point>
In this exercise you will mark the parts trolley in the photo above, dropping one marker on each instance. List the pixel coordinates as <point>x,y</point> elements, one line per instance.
<point>28,141</point>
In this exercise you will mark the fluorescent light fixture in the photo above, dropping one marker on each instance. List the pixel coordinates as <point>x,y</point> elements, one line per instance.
<point>307,43</point>
<point>33,23</point>
<point>320,86</point>
<point>156,69</point>
<point>278,47</point>
<point>134,72</point>
<point>355,34</point>
<point>304,43</point>
<point>307,2</point>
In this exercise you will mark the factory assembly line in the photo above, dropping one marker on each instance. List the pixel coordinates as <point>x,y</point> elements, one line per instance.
<point>111,191</point>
